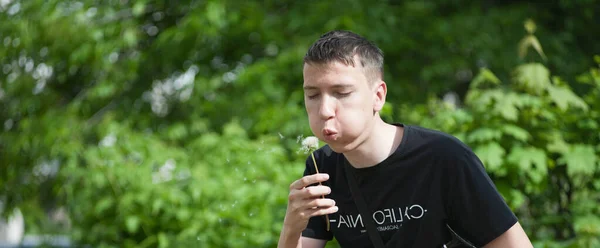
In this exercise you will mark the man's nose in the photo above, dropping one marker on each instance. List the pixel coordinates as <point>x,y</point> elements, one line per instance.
<point>327,108</point>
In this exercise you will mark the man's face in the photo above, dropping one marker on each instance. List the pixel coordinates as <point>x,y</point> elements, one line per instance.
<point>340,102</point>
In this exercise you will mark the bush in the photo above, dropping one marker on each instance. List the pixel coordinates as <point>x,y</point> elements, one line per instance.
<point>221,191</point>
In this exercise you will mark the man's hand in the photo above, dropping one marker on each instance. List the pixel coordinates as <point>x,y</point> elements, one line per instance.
<point>304,202</point>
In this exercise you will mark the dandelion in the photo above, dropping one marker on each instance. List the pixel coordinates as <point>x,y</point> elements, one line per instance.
<point>310,144</point>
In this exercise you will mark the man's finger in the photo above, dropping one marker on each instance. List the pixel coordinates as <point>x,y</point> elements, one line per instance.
<point>314,191</point>
<point>308,180</point>
<point>308,192</point>
<point>322,211</point>
<point>321,203</point>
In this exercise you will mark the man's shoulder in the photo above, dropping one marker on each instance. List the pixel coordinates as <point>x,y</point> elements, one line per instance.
<point>434,136</point>
<point>437,140</point>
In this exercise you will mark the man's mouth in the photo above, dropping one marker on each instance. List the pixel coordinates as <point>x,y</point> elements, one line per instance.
<point>329,134</point>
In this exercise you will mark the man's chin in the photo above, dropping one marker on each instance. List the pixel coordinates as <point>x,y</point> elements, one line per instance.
<point>339,147</point>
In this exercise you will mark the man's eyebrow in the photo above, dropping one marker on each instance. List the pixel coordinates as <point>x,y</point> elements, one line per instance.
<point>335,86</point>
<point>310,88</point>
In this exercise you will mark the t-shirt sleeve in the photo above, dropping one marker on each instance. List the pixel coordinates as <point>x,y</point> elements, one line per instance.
<point>476,210</point>
<point>317,227</point>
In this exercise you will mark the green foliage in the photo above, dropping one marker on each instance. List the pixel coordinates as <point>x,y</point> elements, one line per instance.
<point>212,194</point>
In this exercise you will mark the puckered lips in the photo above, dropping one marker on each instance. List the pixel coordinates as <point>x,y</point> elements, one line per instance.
<point>329,134</point>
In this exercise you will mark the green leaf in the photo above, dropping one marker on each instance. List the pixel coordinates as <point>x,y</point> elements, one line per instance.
<point>99,179</point>
<point>525,100</point>
<point>233,130</point>
<point>534,77</point>
<point>517,198</point>
<point>492,155</point>
<point>516,132</point>
<point>484,135</point>
<point>157,205</point>
<point>132,223</point>
<point>530,41</point>
<point>587,225</point>
<point>177,131</point>
<point>130,37</point>
<point>215,13</point>
<point>138,8</point>
<point>506,106</point>
<point>183,214</point>
<point>535,43</point>
<point>530,26</point>
<point>387,110</point>
<point>557,143</point>
<point>162,240</point>
<point>484,76</point>
<point>530,160</point>
<point>481,99</point>
<point>563,97</point>
<point>104,204</point>
<point>580,160</point>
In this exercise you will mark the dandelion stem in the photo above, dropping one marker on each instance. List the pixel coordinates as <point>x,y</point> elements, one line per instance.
<point>317,169</point>
<point>315,163</point>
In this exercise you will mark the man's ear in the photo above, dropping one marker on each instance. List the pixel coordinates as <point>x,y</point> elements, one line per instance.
<point>380,94</point>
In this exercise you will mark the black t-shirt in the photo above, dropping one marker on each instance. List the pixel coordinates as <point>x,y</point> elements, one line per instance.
<point>431,180</point>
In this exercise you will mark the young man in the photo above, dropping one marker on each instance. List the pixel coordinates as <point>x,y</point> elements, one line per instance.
<point>414,181</point>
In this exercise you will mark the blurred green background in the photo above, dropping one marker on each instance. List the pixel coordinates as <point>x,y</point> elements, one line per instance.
<point>146,123</point>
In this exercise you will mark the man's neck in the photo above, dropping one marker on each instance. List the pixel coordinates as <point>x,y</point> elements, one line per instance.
<point>381,143</point>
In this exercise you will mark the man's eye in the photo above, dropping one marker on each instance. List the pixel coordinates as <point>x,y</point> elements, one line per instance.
<point>313,96</point>
<point>343,94</point>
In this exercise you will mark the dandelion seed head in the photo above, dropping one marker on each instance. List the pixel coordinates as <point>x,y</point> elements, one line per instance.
<point>310,144</point>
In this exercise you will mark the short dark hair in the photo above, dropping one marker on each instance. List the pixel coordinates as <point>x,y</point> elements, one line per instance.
<point>342,46</point>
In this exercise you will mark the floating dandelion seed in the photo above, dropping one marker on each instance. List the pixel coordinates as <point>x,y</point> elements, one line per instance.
<point>310,144</point>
